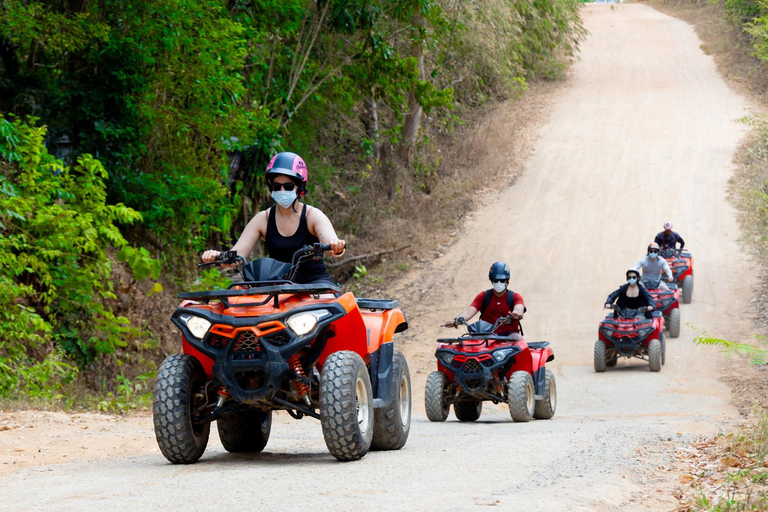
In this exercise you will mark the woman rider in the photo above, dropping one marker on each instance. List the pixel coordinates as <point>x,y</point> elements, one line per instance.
<point>631,295</point>
<point>290,224</point>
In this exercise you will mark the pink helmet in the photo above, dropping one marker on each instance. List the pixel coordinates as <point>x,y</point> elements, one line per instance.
<point>288,164</point>
<point>667,225</point>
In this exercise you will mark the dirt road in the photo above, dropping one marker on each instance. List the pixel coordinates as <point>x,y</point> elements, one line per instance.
<point>644,132</point>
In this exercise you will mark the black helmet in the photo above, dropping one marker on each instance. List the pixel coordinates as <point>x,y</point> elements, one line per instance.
<point>291,165</point>
<point>499,270</point>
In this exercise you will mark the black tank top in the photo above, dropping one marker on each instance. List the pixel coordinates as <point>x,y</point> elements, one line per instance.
<point>282,248</point>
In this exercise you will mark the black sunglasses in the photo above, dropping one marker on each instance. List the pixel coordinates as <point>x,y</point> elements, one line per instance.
<point>632,277</point>
<point>498,280</point>
<point>275,187</point>
<point>653,251</point>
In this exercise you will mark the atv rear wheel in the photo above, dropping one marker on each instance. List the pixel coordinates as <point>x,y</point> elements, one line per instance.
<point>674,323</point>
<point>520,396</point>
<point>545,408</point>
<point>687,289</point>
<point>245,431</point>
<point>392,424</point>
<point>468,410</point>
<point>346,405</point>
<point>654,355</point>
<point>434,396</point>
<point>180,438</point>
<point>600,361</point>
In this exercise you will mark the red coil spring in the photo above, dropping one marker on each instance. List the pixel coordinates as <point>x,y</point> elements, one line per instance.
<point>222,391</point>
<point>295,365</point>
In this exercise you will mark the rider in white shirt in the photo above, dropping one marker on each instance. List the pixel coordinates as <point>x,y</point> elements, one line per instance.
<point>652,266</point>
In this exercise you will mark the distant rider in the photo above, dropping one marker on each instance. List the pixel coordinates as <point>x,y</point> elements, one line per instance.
<point>284,228</point>
<point>631,295</point>
<point>669,239</point>
<point>497,302</point>
<point>652,266</point>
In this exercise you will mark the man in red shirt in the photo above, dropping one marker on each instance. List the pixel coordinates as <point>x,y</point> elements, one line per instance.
<point>496,302</point>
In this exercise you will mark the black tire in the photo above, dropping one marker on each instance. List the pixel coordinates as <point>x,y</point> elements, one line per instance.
<point>687,289</point>
<point>434,397</point>
<point>468,410</point>
<point>674,323</point>
<point>654,355</point>
<point>392,424</point>
<point>520,396</point>
<point>545,408</point>
<point>663,341</point>
<point>245,431</point>
<point>600,361</point>
<point>346,406</point>
<point>180,440</point>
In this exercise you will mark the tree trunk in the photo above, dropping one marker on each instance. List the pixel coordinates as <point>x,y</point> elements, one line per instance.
<point>412,119</point>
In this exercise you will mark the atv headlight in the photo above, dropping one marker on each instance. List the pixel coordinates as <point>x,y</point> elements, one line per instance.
<point>645,332</point>
<point>302,323</point>
<point>445,357</point>
<point>197,325</point>
<point>606,332</point>
<point>502,354</point>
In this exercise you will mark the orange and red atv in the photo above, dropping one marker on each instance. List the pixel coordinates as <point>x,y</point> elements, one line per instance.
<point>267,344</point>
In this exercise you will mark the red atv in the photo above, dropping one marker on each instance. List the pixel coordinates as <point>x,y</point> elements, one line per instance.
<point>668,302</point>
<point>481,365</point>
<point>681,264</point>
<point>630,333</point>
<point>267,344</point>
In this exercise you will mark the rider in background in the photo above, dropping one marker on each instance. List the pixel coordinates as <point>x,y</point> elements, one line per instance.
<point>497,302</point>
<point>290,224</point>
<point>669,239</point>
<point>631,295</point>
<point>652,266</point>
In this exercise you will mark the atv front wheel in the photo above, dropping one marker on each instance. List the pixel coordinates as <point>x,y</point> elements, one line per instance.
<point>180,438</point>
<point>687,289</point>
<point>468,410</point>
<point>600,361</point>
<point>392,424</point>
<point>346,405</point>
<point>663,342</point>
<point>520,396</point>
<point>434,396</point>
<point>674,323</point>
<point>245,431</point>
<point>654,355</point>
<point>545,408</point>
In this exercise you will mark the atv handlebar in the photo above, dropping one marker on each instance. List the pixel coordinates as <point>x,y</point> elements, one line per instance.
<point>225,258</point>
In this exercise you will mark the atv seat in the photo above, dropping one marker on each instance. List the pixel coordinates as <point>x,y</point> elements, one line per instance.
<point>377,304</point>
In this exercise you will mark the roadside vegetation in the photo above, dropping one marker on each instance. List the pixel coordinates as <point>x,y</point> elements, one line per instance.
<point>729,472</point>
<point>133,136</point>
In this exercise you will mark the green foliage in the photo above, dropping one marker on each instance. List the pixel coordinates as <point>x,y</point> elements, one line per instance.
<point>756,355</point>
<point>211,279</point>
<point>129,394</point>
<point>56,228</point>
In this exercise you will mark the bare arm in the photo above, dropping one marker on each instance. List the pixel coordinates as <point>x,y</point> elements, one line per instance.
<point>468,313</point>
<point>253,232</point>
<point>518,310</point>
<point>320,226</point>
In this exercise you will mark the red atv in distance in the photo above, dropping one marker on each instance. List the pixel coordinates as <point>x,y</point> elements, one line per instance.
<point>483,366</point>
<point>267,344</point>
<point>668,302</point>
<point>629,333</point>
<point>681,264</point>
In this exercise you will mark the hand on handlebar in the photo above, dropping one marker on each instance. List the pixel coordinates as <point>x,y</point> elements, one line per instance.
<point>608,306</point>
<point>338,247</point>
<point>210,256</point>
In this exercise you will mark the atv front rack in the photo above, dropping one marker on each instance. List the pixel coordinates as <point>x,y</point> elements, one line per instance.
<point>272,290</point>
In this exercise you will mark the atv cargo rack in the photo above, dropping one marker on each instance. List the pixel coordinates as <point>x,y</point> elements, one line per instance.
<point>272,289</point>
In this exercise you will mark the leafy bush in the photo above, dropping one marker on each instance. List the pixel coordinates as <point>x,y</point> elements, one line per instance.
<point>56,229</point>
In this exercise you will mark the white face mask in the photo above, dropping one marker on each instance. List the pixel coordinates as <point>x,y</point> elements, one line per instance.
<point>499,287</point>
<point>284,198</point>
<point>632,280</point>
<point>653,255</point>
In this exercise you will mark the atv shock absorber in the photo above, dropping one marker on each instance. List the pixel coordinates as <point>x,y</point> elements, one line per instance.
<point>223,396</point>
<point>301,386</point>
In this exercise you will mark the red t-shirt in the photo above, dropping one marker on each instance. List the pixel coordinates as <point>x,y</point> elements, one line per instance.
<point>498,307</point>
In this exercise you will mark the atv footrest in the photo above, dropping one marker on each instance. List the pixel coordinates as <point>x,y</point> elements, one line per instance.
<point>377,303</point>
